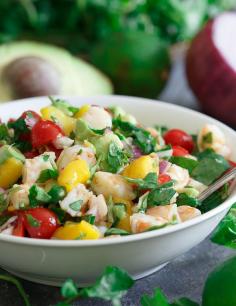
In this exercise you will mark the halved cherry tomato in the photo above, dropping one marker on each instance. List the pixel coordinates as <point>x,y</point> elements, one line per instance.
<point>19,229</point>
<point>44,132</point>
<point>177,137</point>
<point>179,151</point>
<point>163,178</point>
<point>40,222</point>
<point>51,148</point>
<point>31,154</point>
<point>232,163</point>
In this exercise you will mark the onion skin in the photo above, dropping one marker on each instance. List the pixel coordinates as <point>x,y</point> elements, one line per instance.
<point>211,78</point>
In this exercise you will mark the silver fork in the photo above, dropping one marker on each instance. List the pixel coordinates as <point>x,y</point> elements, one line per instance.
<point>219,183</point>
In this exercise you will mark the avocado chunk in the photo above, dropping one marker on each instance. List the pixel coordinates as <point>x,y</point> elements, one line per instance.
<point>84,132</point>
<point>138,63</point>
<point>33,69</point>
<point>7,152</point>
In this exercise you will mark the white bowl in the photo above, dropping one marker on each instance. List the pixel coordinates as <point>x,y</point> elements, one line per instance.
<point>52,261</point>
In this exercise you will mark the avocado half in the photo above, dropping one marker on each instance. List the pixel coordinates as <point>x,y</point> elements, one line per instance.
<point>138,63</point>
<point>34,69</point>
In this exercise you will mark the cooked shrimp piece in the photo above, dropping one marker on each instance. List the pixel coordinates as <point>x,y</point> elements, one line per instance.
<point>166,212</point>
<point>79,193</point>
<point>187,212</point>
<point>97,118</point>
<point>212,137</point>
<point>180,175</point>
<point>75,152</point>
<point>62,142</point>
<point>114,185</point>
<point>33,167</point>
<point>19,196</point>
<point>141,222</point>
<point>97,207</point>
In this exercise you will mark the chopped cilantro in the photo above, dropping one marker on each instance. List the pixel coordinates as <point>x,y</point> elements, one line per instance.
<point>57,193</point>
<point>207,138</point>
<point>76,206</point>
<point>89,218</point>
<point>37,196</point>
<point>32,221</point>
<point>47,174</point>
<point>116,231</point>
<point>116,157</point>
<point>81,236</point>
<point>99,132</point>
<point>3,202</point>
<point>160,196</point>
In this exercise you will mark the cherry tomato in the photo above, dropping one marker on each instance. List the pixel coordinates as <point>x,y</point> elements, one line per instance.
<point>40,222</point>
<point>177,137</point>
<point>232,163</point>
<point>30,114</point>
<point>44,132</point>
<point>31,154</point>
<point>163,178</point>
<point>51,148</point>
<point>179,151</point>
<point>19,229</point>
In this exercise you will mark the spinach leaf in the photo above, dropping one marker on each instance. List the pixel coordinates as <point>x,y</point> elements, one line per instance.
<point>210,167</point>
<point>184,199</point>
<point>214,199</point>
<point>225,233</point>
<point>3,202</point>
<point>116,157</point>
<point>158,299</point>
<point>47,174</point>
<point>116,231</point>
<point>160,196</point>
<point>184,162</point>
<point>37,196</point>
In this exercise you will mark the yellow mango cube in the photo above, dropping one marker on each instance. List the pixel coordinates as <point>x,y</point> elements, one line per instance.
<point>10,172</point>
<point>82,111</point>
<point>140,167</point>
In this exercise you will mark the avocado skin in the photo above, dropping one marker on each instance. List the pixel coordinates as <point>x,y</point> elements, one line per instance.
<point>137,63</point>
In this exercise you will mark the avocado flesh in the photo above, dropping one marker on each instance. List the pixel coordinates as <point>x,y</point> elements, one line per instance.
<point>137,63</point>
<point>7,152</point>
<point>77,76</point>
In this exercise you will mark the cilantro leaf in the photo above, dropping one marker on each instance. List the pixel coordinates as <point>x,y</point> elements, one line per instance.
<point>184,199</point>
<point>99,132</point>
<point>158,299</point>
<point>225,233</point>
<point>184,302</point>
<point>32,221</point>
<point>210,167</point>
<point>149,182</point>
<point>89,218</point>
<point>37,196</point>
<point>160,196</point>
<point>69,289</point>
<point>76,206</point>
<point>3,202</point>
<point>57,193</point>
<point>47,174</point>
<point>187,163</point>
<point>116,231</point>
<point>64,106</point>
<point>21,134</point>
<point>116,157</point>
<point>111,286</point>
<point>208,138</point>
<point>4,134</point>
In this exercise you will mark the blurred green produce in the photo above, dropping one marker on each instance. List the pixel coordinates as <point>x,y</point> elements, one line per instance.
<point>84,25</point>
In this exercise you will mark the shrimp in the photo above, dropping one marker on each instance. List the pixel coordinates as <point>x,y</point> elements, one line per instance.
<point>187,212</point>
<point>97,118</point>
<point>180,175</point>
<point>212,137</point>
<point>62,142</point>
<point>166,212</point>
<point>19,196</point>
<point>75,152</point>
<point>79,193</point>
<point>97,207</point>
<point>114,185</point>
<point>141,222</point>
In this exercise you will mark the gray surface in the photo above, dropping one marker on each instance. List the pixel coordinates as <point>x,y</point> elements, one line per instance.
<point>183,277</point>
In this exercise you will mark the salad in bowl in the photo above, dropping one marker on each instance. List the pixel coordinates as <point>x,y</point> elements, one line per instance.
<point>93,172</point>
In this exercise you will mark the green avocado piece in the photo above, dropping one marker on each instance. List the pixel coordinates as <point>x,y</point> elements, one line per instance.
<point>83,131</point>
<point>67,74</point>
<point>138,63</point>
<point>102,144</point>
<point>7,152</point>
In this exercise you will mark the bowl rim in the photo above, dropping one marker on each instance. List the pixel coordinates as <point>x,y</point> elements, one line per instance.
<point>133,237</point>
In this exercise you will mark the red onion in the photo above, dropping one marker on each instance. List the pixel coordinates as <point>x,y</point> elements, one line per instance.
<point>137,152</point>
<point>163,166</point>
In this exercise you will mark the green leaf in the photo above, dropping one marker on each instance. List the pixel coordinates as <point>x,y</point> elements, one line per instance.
<point>76,206</point>
<point>210,167</point>
<point>69,289</point>
<point>207,138</point>
<point>160,196</point>
<point>47,174</point>
<point>158,299</point>
<point>3,219</point>
<point>184,162</point>
<point>119,212</point>
<point>116,158</point>
<point>4,133</point>
<point>64,106</point>
<point>111,286</point>
<point>3,202</point>
<point>225,233</point>
<point>116,231</point>
<point>184,302</point>
<point>184,199</point>
<point>215,199</point>
<point>99,132</point>
<point>32,221</point>
<point>37,196</point>
<point>57,193</point>
<point>89,218</point>
<point>149,182</point>
<point>61,214</point>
